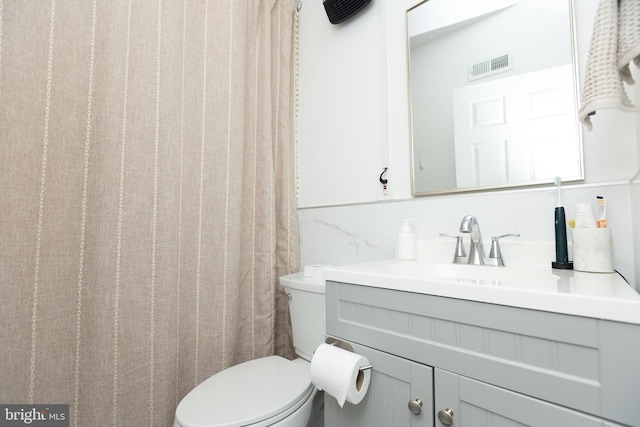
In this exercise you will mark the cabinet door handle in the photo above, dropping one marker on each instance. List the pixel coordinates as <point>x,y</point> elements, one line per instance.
<point>415,406</point>
<point>445,416</point>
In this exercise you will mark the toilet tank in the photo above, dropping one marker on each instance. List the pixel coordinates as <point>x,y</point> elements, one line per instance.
<point>306,306</point>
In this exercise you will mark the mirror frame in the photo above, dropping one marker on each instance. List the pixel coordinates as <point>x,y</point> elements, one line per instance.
<point>527,184</point>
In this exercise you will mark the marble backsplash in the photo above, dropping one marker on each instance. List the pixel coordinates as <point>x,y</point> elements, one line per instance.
<point>350,234</point>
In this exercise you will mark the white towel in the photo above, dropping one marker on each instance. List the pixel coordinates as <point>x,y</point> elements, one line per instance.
<point>614,44</point>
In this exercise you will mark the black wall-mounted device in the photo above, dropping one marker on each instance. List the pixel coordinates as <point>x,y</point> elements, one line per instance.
<point>340,10</point>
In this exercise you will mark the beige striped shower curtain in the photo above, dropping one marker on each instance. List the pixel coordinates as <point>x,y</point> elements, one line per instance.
<point>147,202</point>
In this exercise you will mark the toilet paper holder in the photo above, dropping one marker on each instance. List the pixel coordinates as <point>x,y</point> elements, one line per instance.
<point>348,347</point>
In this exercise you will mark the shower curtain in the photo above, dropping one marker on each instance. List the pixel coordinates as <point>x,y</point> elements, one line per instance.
<point>147,203</point>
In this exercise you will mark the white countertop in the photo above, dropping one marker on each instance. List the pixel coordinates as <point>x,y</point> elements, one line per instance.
<point>596,295</point>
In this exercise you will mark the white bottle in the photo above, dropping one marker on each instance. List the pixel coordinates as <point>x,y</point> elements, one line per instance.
<point>406,248</point>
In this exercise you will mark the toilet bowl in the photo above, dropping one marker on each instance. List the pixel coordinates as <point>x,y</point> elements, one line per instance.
<point>269,391</point>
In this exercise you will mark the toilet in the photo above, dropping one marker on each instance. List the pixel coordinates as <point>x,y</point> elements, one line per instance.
<point>270,391</point>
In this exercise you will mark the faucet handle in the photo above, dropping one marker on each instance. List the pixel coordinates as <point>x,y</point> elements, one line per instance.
<point>495,256</point>
<point>460,256</point>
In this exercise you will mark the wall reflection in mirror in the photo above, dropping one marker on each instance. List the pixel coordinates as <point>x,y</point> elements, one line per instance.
<point>493,94</point>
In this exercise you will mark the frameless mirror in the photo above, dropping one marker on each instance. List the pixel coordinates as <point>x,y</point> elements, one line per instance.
<point>493,94</point>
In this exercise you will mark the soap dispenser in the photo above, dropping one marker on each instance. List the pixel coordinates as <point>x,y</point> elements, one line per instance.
<point>406,248</point>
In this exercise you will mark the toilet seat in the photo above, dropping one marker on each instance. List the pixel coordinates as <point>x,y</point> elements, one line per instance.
<point>258,392</point>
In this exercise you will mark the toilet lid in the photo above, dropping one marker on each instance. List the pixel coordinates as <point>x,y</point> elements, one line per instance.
<point>245,394</point>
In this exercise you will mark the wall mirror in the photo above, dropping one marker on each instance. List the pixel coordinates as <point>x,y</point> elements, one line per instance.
<point>493,94</point>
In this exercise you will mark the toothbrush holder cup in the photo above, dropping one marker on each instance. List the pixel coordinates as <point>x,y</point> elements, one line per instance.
<point>592,250</point>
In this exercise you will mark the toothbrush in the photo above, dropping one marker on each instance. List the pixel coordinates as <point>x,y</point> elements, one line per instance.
<point>562,254</point>
<point>602,222</point>
<point>558,184</point>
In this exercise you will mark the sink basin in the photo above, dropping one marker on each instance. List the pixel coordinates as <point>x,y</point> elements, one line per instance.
<point>508,276</point>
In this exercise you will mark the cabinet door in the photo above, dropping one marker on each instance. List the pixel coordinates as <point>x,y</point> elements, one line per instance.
<point>394,383</point>
<point>471,403</point>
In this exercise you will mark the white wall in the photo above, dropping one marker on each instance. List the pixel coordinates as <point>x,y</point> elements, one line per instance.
<point>350,127</point>
<point>340,122</point>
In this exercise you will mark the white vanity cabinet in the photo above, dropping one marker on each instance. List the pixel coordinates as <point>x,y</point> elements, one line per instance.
<point>478,364</point>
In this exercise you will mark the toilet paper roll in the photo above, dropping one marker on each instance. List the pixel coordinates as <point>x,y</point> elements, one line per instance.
<point>337,372</point>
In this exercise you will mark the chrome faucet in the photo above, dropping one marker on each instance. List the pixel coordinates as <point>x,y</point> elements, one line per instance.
<point>476,256</point>
<point>495,256</point>
<point>470,225</point>
<point>460,256</point>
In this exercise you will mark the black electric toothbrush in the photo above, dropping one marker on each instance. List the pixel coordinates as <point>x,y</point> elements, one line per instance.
<point>562,254</point>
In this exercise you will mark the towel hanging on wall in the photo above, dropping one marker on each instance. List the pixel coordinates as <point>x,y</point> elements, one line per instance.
<point>615,43</point>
